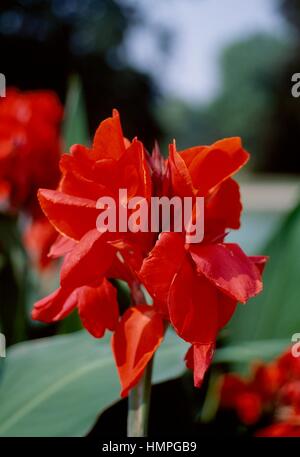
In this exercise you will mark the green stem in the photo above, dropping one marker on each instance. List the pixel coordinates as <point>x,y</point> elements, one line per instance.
<point>139,405</point>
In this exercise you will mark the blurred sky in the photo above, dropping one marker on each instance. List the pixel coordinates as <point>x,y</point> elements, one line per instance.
<point>201,29</point>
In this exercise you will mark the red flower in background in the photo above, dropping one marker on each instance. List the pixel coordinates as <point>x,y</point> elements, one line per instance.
<point>271,393</point>
<point>30,148</point>
<point>38,237</point>
<point>195,287</point>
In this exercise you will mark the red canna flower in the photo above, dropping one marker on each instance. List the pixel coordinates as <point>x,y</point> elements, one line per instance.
<point>271,393</point>
<point>235,392</point>
<point>195,287</point>
<point>30,148</point>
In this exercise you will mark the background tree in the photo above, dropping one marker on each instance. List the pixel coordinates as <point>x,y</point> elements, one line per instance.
<point>282,136</point>
<point>42,42</point>
<point>251,79</point>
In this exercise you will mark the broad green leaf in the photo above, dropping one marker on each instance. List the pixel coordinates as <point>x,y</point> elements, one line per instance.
<point>275,313</point>
<point>57,386</point>
<point>75,126</point>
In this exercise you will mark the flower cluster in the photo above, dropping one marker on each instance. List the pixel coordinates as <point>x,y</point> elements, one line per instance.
<point>30,149</point>
<point>194,287</point>
<point>271,395</point>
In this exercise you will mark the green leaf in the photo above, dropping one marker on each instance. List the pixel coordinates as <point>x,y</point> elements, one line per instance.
<point>57,386</point>
<point>75,127</point>
<point>275,313</point>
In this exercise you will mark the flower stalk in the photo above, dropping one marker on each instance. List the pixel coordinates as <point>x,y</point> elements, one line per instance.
<point>139,405</point>
<point>139,397</point>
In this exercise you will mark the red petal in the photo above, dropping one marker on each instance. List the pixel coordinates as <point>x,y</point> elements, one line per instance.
<point>88,261</point>
<point>138,335</point>
<point>94,175</point>
<point>180,177</point>
<point>84,167</point>
<point>215,163</point>
<point>120,270</point>
<point>259,261</point>
<point>78,161</point>
<point>223,209</point>
<point>130,254</point>
<point>228,268</point>
<point>188,155</point>
<point>160,267</point>
<point>108,140</point>
<point>81,187</point>
<point>227,307</point>
<point>80,178</point>
<point>193,306</point>
<point>71,216</point>
<point>198,359</point>
<point>61,247</point>
<point>55,306</point>
<point>98,308</point>
<point>134,171</point>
